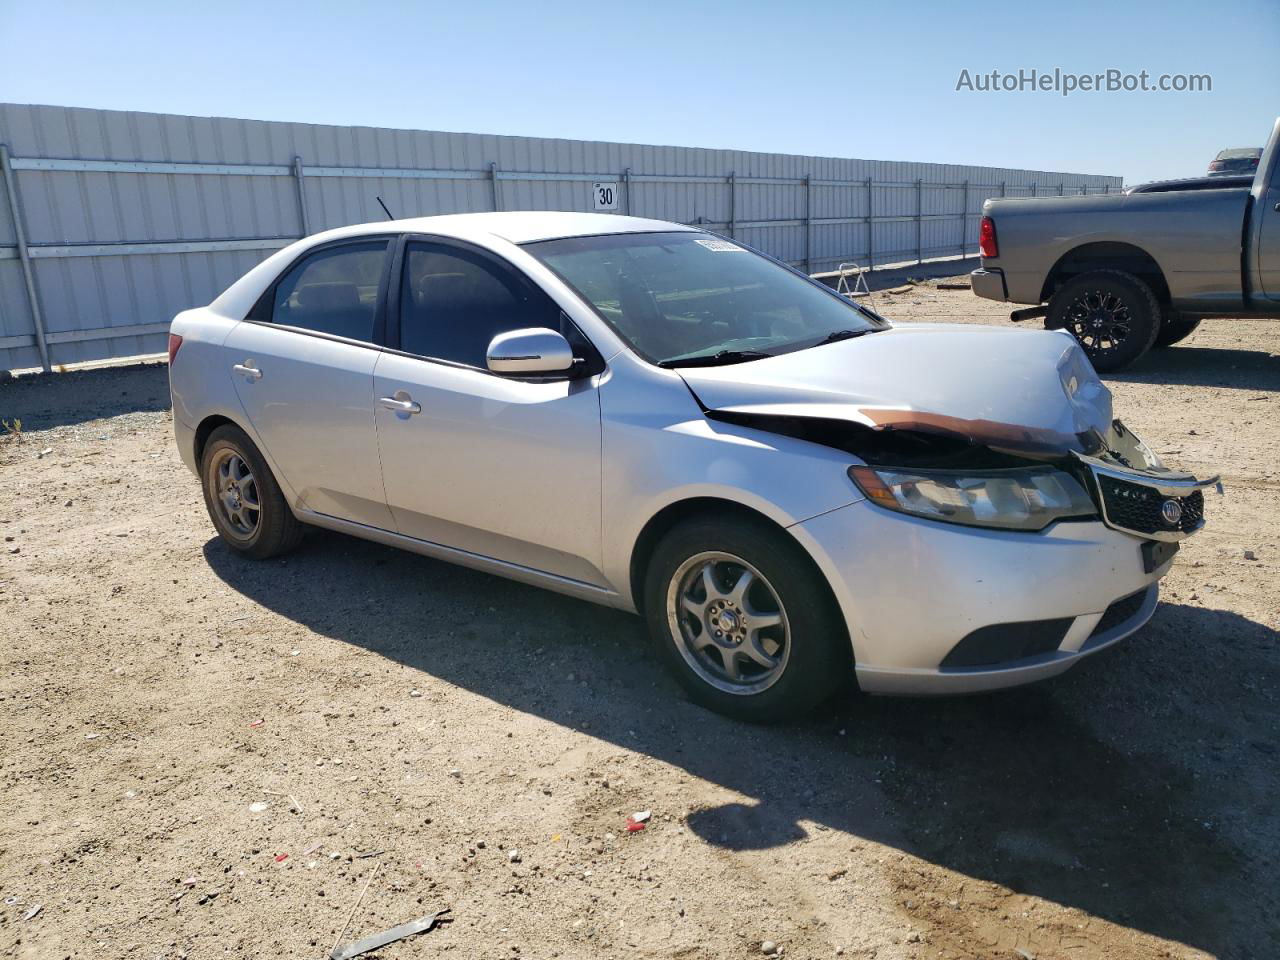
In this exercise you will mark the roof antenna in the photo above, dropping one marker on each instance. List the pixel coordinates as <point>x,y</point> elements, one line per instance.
<point>384,208</point>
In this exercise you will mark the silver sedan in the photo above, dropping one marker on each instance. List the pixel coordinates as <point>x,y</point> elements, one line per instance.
<point>790,490</point>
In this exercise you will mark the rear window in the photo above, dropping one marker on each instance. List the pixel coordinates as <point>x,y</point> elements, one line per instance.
<point>333,291</point>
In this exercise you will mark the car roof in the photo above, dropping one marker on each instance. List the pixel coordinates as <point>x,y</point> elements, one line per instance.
<point>1239,153</point>
<point>517,226</point>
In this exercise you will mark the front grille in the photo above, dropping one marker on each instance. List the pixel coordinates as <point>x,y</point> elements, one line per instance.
<point>1137,507</point>
<point>1123,610</point>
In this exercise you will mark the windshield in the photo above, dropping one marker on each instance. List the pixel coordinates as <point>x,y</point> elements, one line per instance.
<point>691,298</point>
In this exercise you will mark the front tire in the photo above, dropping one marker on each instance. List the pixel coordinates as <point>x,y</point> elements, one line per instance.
<point>744,620</point>
<point>1113,314</point>
<point>243,499</point>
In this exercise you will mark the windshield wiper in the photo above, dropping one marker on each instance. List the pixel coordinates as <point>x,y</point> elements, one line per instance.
<point>715,359</point>
<point>837,335</point>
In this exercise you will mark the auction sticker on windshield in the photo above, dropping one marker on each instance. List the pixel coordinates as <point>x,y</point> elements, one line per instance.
<point>721,246</point>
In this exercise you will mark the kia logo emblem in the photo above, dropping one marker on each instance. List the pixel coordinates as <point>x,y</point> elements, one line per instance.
<point>1171,511</point>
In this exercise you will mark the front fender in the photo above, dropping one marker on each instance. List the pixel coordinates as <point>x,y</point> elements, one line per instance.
<point>658,449</point>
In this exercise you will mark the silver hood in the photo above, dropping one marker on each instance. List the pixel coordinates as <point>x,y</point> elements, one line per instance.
<point>1024,391</point>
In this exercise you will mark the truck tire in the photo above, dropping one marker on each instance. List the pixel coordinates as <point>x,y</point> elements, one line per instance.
<point>1174,328</point>
<point>1113,314</point>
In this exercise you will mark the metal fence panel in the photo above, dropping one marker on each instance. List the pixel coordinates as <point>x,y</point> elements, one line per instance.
<point>132,217</point>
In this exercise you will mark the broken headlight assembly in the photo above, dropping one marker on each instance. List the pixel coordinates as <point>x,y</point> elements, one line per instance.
<point>1023,498</point>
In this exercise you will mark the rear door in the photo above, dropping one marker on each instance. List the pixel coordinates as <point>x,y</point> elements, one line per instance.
<point>505,468</point>
<point>303,364</point>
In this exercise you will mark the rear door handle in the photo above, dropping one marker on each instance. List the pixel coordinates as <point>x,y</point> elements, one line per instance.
<point>400,406</point>
<point>246,371</point>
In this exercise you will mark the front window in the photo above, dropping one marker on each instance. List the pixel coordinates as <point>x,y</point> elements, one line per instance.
<point>689,298</point>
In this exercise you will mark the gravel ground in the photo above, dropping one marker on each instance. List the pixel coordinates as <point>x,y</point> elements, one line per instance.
<point>206,757</point>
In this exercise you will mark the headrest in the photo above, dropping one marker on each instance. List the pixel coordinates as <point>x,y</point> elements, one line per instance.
<point>329,296</point>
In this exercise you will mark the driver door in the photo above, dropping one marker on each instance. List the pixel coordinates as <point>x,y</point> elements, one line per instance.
<point>501,467</point>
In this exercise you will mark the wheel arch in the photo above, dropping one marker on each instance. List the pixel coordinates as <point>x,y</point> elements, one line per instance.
<point>1107,255</point>
<point>205,429</point>
<point>673,514</point>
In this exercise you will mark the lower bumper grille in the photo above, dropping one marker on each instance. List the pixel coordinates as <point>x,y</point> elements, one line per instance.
<point>1123,610</point>
<point>1002,643</point>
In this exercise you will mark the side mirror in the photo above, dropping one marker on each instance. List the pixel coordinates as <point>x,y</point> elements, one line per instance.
<point>529,352</point>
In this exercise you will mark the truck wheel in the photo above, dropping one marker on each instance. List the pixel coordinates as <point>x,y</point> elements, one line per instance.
<point>1113,314</point>
<point>1174,328</point>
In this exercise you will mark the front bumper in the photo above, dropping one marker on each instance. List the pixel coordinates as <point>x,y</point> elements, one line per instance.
<point>912,589</point>
<point>989,283</point>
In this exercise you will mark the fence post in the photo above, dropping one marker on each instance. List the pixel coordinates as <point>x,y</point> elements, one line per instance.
<point>871,226</point>
<point>493,181</point>
<point>964,220</point>
<point>808,223</point>
<point>919,220</point>
<point>302,197</point>
<point>626,188</point>
<point>1003,188</point>
<point>733,204</point>
<point>1062,189</point>
<point>20,236</point>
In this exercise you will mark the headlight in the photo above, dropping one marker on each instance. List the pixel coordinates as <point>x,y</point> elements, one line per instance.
<point>1027,498</point>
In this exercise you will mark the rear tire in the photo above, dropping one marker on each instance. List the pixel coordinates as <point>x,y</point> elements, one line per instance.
<point>243,499</point>
<point>782,649</point>
<point>1174,328</point>
<point>1113,314</point>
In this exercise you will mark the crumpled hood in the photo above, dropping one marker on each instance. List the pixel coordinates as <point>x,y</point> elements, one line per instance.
<point>1024,391</point>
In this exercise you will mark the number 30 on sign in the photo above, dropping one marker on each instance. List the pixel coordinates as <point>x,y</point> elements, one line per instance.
<point>606,195</point>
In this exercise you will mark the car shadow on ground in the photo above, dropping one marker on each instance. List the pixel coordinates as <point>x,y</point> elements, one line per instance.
<point>1194,366</point>
<point>44,401</point>
<point>1014,788</point>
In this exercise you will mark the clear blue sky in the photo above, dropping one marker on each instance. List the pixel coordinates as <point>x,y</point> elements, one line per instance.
<point>874,80</point>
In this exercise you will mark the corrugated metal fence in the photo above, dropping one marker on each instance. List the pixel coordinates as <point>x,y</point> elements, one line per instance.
<point>112,222</point>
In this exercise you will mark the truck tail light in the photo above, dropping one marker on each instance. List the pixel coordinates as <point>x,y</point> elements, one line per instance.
<point>987,245</point>
<point>1215,165</point>
<point>175,342</point>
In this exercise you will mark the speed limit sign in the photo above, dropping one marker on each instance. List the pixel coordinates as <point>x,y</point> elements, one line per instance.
<point>606,195</point>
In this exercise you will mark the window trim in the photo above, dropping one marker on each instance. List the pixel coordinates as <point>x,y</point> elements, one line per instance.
<point>592,365</point>
<point>262,308</point>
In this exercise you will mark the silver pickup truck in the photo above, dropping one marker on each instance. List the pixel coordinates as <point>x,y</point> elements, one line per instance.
<point>1125,272</point>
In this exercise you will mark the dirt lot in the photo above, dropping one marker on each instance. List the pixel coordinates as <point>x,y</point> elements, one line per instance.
<point>163,706</point>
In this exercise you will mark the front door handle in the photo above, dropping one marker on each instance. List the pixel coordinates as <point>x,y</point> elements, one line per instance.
<point>246,371</point>
<point>400,406</point>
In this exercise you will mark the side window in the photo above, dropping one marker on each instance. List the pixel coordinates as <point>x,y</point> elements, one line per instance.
<point>453,302</point>
<point>333,291</point>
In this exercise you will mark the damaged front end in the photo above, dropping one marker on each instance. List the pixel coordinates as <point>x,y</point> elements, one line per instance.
<point>1136,493</point>
<point>1027,439</point>
<point>1002,476</point>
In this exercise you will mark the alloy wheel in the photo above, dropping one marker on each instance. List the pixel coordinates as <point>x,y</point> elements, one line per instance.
<point>235,493</point>
<point>728,623</point>
<point>1100,320</point>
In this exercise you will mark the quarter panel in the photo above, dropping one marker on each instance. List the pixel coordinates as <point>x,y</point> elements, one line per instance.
<point>1194,237</point>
